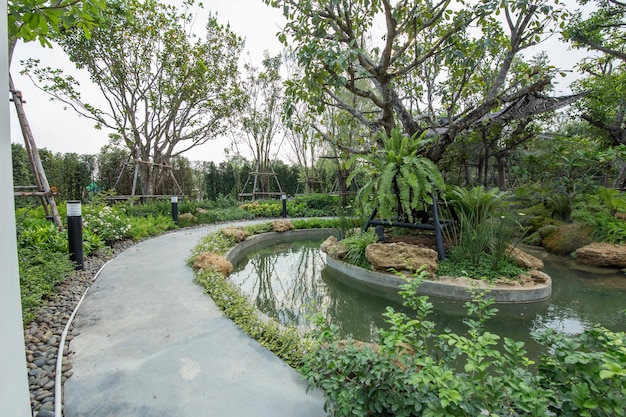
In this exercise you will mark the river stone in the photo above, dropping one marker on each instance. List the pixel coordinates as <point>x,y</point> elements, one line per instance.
<point>602,254</point>
<point>331,241</point>
<point>523,259</point>
<point>210,260</point>
<point>238,233</point>
<point>188,216</point>
<point>401,257</point>
<point>281,225</point>
<point>333,247</point>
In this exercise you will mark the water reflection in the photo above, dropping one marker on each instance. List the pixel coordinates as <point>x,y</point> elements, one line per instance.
<point>289,282</point>
<point>278,280</point>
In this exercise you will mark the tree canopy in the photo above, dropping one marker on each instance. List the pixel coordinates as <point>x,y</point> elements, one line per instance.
<point>439,67</point>
<point>41,20</point>
<point>166,91</point>
<point>602,31</point>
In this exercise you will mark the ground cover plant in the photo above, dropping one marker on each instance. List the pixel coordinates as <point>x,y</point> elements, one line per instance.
<point>287,343</point>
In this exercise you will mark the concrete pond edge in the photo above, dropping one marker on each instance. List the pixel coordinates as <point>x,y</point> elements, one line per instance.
<point>388,284</point>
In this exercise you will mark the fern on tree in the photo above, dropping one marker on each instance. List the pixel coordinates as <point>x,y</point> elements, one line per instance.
<point>398,181</point>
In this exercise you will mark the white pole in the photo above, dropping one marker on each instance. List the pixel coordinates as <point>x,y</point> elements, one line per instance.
<point>14,395</point>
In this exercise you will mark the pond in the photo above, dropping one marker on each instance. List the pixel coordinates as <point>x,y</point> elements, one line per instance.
<point>289,282</point>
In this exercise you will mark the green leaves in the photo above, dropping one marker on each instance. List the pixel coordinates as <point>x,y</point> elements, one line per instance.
<point>42,20</point>
<point>167,90</point>
<point>397,181</point>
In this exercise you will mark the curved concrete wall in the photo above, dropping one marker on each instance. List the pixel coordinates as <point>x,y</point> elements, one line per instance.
<point>387,285</point>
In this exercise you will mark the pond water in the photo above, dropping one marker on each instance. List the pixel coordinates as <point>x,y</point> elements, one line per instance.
<point>289,282</point>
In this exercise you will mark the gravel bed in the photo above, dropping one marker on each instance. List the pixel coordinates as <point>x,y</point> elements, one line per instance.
<point>43,335</point>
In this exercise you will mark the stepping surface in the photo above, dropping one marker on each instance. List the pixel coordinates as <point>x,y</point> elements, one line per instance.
<point>150,343</point>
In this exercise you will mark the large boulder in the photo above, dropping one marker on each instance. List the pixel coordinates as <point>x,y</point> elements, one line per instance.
<point>523,259</point>
<point>602,254</point>
<point>238,233</point>
<point>210,260</point>
<point>281,225</point>
<point>333,247</point>
<point>401,257</point>
<point>567,238</point>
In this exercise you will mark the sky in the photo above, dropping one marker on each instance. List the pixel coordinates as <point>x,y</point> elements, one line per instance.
<point>65,131</point>
<point>60,130</point>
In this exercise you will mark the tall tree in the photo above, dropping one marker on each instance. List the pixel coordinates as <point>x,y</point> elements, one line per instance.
<point>444,66</point>
<point>261,122</point>
<point>167,91</point>
<point>603,31</point>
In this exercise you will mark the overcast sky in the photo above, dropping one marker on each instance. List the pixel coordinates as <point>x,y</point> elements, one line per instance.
<point>61,130</point>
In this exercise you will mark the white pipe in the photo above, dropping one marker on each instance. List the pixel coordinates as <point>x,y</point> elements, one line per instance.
<point>58,390</point>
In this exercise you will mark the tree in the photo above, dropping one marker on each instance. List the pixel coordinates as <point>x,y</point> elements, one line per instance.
<point>438,67</point>
<point>166,91</point>
<point>261,124</point>
<point>604,106</point>
<point>603,30</point>
<point>40,20</point>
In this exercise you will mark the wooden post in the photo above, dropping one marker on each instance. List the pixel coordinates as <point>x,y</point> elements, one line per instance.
<point>33,154</point>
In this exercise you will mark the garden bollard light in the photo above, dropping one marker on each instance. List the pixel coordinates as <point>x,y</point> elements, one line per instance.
<point>175,208</point>
<point>284,199</point>
<point>75,233</point>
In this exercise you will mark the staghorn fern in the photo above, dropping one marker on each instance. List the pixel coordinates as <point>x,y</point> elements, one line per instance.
<point>397,180</point>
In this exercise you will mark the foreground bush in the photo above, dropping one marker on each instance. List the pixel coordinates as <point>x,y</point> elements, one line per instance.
<point>417,371</point>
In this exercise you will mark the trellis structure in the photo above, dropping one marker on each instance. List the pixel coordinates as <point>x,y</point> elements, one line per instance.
<point>257,176</point>
<point>133,193</point>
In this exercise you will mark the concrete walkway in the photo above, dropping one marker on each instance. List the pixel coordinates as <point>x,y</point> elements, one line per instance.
<point>150,343</point>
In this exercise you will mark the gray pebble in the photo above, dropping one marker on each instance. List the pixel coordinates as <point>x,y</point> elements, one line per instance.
<point>42,336</point>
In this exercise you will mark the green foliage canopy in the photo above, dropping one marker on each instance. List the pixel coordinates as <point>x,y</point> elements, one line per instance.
<point>397,181</point>
<point>426,68</point>
<point>166,91</point>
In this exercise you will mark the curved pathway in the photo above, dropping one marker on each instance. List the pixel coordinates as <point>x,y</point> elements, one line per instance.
<point>148,342</point>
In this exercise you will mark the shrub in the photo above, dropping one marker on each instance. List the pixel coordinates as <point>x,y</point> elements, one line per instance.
<point>398,181</point>
<point>599,212</point>
<point>417,371</point>
<point>263,209</point>
<point>144,227</point>
<point>482,234</point>
<point>110,223</point>
<point>41,235</point>
<point>339,223</point>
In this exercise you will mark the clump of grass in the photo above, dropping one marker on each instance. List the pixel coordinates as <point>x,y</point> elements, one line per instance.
<point>356,245</point>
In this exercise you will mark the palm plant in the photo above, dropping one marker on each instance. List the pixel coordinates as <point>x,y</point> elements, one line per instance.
<point>397,181</point>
